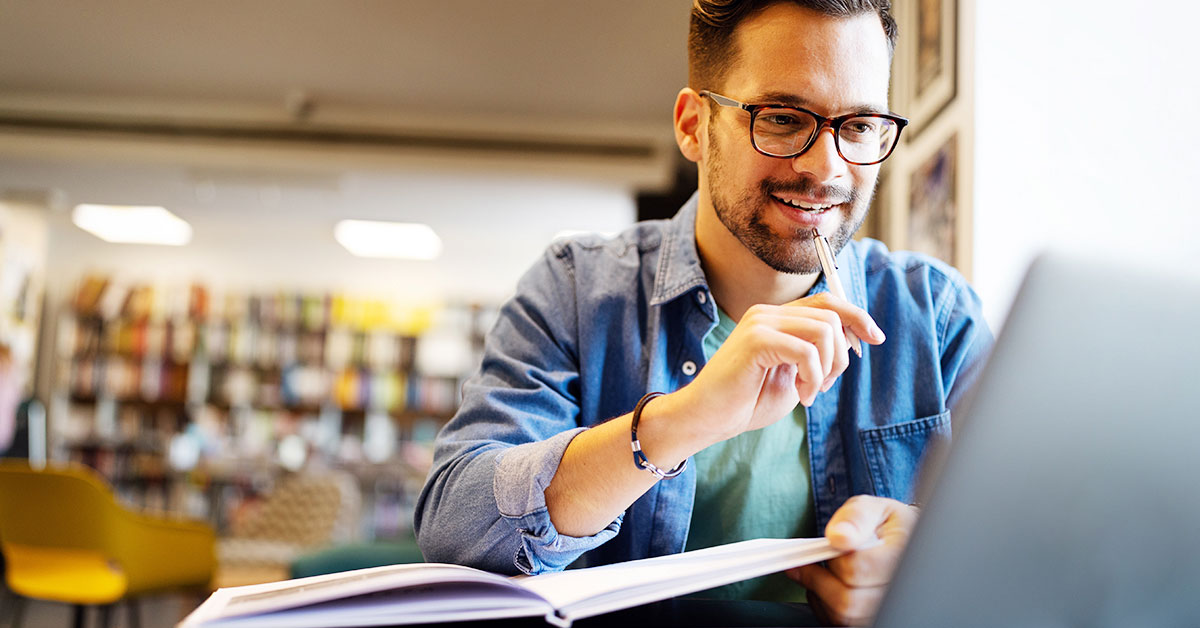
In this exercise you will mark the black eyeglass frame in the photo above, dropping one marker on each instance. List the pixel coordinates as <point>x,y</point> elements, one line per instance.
<point>834,123</point>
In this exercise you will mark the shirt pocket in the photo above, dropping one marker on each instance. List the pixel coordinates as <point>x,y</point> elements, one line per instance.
<point>893,453</point>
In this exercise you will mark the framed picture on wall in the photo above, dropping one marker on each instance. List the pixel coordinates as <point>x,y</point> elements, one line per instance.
<point>933,198</point>
<point>927,76</point>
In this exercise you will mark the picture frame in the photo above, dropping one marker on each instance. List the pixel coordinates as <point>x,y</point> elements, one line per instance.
<point>925,197</point>
<point>926,62</point>
<point>933,210</point>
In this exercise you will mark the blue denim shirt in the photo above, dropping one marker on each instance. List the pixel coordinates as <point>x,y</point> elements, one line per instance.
<point>597,323</point>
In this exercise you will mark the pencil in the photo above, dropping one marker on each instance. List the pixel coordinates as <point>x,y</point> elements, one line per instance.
<point>829,267</point>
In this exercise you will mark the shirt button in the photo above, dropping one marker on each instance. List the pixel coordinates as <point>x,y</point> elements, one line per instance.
<point>702,297</point>
<point>689,368</point>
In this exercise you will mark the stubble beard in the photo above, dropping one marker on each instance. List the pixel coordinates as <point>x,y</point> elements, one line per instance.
<point>792,252</point>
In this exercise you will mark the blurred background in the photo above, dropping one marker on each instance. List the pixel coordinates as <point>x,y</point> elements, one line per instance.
<point>233,337</point>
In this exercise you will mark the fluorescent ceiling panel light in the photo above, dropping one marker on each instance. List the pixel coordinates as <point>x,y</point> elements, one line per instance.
<point>395,240</point>
<point>126,224</point>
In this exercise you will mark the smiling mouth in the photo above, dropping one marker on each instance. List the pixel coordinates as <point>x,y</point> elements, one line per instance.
<point>812,208</point>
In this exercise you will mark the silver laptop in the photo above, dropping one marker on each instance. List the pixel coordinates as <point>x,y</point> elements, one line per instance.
<point>1071,496</point>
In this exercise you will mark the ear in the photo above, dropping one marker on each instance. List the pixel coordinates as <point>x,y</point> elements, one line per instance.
<point>689,110</point>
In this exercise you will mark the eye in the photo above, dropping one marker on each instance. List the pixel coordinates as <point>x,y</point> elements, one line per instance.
<point>780,119</point>
<point>862,126</point>
<point>783,122</point>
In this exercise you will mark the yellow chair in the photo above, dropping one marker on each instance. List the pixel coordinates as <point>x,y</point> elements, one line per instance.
<point>66,539</point>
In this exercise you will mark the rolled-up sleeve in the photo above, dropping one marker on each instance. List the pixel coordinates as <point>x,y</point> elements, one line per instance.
<point>483,504</point>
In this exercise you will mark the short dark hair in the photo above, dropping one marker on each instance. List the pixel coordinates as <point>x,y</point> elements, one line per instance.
<point>710,38</point>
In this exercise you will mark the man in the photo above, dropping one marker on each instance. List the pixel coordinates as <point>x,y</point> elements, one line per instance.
<point>723,308</point>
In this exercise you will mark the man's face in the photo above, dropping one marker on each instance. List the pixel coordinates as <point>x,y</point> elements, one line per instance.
<point>794,56</point>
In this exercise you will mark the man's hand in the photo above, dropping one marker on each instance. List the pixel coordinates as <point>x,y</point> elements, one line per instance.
<point>776,357</point>
<point>848,589</point>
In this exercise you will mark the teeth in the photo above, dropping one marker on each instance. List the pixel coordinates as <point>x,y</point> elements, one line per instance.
<point>806,206</point>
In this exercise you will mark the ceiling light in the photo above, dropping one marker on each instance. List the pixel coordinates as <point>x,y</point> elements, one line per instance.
<point>126,224</point>
<point>396,240</point>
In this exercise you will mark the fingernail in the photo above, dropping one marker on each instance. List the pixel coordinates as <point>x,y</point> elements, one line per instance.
<point>828,384</point>
<point>877,333</point>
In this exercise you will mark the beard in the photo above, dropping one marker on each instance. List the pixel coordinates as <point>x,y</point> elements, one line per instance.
<point>791,252</point>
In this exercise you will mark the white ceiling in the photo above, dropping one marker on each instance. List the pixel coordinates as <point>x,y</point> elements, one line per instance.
<point>612,60</point>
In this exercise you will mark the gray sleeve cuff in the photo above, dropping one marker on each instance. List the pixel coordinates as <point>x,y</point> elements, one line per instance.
<point>522,474</point>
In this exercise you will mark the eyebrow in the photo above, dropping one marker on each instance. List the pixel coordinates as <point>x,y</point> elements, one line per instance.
<point>791,100</point>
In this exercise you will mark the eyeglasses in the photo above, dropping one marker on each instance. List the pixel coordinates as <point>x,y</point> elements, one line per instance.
<point>862,139</point>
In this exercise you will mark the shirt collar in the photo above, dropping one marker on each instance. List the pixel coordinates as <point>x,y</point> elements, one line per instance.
<point>679,269</point>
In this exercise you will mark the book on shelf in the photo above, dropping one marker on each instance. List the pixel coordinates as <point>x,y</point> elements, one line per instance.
<point>434,592</point>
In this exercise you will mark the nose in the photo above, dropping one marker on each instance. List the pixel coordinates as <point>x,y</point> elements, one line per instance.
<point>821,160</point>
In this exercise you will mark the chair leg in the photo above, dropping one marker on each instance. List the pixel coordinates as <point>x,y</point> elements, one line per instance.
<point>134,611</point>
<point>14,610</point>
<point>78,621</point>
<point>106,616</point>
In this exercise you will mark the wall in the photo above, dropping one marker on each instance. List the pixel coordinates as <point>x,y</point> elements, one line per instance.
<point>1086,137</point>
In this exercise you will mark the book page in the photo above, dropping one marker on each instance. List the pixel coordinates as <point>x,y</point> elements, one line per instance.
<point>432,592</point>
<point>579,593</point>
<point>276,596</point>
<point>432,603</point>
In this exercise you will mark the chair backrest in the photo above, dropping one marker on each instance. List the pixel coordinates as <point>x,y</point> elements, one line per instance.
<point>305,510</point>
<point>68,514</point>
<point>64,507</point>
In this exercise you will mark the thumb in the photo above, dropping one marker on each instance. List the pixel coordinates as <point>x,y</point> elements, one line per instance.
<point>846,535</point>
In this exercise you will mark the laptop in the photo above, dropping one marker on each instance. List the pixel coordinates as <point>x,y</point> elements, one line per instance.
<point>1071,496</point>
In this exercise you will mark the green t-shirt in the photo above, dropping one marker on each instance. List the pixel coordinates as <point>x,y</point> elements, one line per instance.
<point>757,484</point>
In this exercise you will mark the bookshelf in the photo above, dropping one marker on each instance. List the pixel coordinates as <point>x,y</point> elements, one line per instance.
<point>197,403</point>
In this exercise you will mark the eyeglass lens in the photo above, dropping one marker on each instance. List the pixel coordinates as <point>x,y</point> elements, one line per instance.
<point>862,140</point>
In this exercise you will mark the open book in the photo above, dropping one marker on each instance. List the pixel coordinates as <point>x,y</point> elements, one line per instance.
<point>434,592</point>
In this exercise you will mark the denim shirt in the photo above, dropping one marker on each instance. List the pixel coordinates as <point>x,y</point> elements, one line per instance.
<point>597,323</point>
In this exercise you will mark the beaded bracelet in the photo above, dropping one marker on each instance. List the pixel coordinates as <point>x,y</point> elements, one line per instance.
<point>639,458</point>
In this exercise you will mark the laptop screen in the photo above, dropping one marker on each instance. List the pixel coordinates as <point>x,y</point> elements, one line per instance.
<point>1071,495</point>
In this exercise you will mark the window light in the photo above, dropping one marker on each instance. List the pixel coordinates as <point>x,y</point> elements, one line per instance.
<point>570,233</point>
<point>127,224</point>
<point>396,240</point>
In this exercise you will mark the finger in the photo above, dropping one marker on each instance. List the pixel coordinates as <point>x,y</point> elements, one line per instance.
<point>810,375</point>
<point>852,316</point>
<point>780,380</point>
<point>863,519</point>
<point>841,358</point>
<point>822,333</point>
<point>773,347</point>
<point>872,566</point>
<point>853,525</point>
<point>819,609</point>
<point>819,326</point>
<point>834,346</point>
<point>823,328</point>
<point>842,604</point>
<point>867,568</point>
